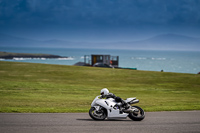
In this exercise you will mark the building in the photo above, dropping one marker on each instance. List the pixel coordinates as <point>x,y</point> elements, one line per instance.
<point>109,60</point>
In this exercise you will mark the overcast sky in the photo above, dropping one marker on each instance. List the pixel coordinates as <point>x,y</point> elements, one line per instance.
<point>99,20</point>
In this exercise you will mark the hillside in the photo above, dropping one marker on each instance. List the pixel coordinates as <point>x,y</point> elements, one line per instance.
<point>7,55</point>
<point>169,41</point>
<point>160,42</point>
<point>30,87</point>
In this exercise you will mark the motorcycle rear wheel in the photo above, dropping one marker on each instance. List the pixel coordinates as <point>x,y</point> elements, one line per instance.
<point>97,115</point>
<point>137,117</point>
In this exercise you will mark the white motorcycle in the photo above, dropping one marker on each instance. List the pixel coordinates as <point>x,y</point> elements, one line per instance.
<point>110,109</point>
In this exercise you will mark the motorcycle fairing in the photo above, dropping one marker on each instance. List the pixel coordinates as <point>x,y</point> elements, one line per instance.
<point>115,114</point>
<point>109,105</point>
<point>94,101</point>
<point>103,103</point>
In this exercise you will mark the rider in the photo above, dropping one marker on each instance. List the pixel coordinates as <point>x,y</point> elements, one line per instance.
<point>105,94</point>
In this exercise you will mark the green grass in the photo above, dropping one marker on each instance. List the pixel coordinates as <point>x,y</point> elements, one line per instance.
<point>29,87</point>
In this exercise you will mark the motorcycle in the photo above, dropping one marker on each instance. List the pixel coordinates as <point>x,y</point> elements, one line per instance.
<point>110,109</point>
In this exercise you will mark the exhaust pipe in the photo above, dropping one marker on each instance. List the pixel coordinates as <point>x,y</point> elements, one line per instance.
<point>134,101</point>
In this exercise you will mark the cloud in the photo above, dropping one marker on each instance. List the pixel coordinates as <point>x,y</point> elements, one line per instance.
<point>98,17</point>
<point>104,12</point>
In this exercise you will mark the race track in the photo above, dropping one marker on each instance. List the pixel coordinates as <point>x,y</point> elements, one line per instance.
<point>154,122</point>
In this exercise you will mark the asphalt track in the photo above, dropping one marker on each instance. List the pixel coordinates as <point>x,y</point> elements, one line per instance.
<point>154,122</point>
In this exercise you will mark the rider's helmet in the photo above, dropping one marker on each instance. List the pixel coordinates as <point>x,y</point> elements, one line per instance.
<point>104,91</point>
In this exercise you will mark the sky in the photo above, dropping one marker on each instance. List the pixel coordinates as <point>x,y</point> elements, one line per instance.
<point>99,20</point>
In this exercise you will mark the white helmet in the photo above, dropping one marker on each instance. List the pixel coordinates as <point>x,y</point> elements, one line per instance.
<point>104,91</point>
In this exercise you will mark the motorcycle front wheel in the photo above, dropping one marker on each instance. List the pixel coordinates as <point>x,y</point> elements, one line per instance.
<point>137,116</point>
<point>97,115</point>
